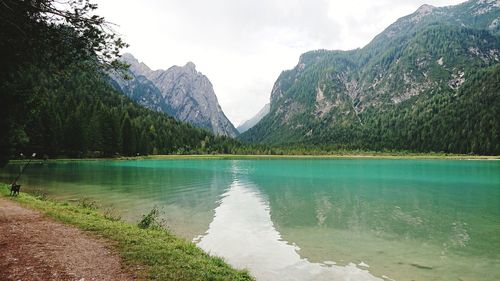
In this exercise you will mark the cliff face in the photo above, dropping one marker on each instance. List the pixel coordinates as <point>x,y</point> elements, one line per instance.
<point>413,87</point>
<point>181,92</point>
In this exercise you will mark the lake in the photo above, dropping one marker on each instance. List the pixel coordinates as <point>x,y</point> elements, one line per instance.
<point>307,219</point>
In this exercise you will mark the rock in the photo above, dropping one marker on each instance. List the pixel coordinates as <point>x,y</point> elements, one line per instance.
<point>421,266</point>
<point>363,264</point>
<point>349,98</point>
<point>181,92</point>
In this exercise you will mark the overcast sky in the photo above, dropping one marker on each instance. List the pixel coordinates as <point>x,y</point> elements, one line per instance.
<point>243,45</point>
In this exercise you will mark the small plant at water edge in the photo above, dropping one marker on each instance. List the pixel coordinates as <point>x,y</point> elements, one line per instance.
<point>150,220</point>
<point>87,203</point>
<point>111,214</point>
<point>40,194</point>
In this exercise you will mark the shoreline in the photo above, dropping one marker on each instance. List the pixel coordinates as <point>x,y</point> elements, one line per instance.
<point>381,155</point>
<point>68,252</point>
<point>153,251</point>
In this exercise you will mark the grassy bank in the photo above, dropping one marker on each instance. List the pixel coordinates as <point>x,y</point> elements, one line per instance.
<point>376,155</point>
<point>344,155</point>
<point>156,253</point>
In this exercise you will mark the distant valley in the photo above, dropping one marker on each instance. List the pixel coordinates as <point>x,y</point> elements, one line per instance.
<point>245,126</point>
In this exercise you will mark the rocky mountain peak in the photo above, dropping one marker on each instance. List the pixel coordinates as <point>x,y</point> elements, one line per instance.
<point>136,66</point>
<point>180,91</point>
<point>129,58</point>
<point>421,13</point>
<point>190,66</point>
<point>425,9</point>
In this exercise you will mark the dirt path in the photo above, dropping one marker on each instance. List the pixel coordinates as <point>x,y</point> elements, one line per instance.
<point>34,247</point>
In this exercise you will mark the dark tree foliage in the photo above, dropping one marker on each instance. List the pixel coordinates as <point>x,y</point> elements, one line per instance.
<point>46,37</point>
<point>55,100</point>
<point>464,122</point>
<point>441,117</point>
<point>86,117</point>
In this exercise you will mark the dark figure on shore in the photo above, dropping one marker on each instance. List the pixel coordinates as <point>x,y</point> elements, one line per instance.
<point>14,189</point>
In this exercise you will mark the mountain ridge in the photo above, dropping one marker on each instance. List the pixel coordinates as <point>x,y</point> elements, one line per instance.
<point>180,91</point>
<point>334,97</point>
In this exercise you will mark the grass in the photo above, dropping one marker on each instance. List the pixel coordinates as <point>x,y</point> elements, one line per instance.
<point>153,252</point>
<point>376,155</point>
<point>337,155</point>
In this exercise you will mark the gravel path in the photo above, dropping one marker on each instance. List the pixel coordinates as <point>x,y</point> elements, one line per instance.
<point>34,247</point>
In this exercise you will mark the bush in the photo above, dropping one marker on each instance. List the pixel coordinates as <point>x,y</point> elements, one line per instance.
<point>150,220</point>
<point>88,203</point>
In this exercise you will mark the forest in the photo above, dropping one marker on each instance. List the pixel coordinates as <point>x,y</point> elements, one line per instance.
<point>397,96</point>
<point>56,99</point>
<point>55,96</point>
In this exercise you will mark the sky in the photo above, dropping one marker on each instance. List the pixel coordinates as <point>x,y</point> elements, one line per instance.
<point>243,45</point>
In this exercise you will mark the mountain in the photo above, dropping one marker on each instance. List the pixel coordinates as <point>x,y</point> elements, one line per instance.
<point>429,82</point>
<point>254,120</point>
<point>181,92</point>
<point>83,116</point>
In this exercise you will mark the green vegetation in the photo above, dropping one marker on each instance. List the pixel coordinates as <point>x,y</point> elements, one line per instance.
<point>150,220</point>
<point>43,43</point>
<point>56,99</point>
<point>426,84</point>
<point>463,122</point>
<point>309,154</point>
<point>297,153</point>
<point>158,253</point>
<point>85,117</point>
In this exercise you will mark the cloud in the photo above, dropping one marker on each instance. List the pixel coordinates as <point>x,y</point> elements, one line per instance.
<point>242,46</point>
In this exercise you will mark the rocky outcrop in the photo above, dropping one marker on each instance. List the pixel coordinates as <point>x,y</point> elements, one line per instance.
<point>180,91</point>
<point>338,96</point>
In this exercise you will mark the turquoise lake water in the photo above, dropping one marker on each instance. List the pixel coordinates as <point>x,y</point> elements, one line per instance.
<point>335,219</point>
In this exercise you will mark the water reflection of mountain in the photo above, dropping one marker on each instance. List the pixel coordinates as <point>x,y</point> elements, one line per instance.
<point>242,232</point>
<point>397,216</point>
<point>407,219</point>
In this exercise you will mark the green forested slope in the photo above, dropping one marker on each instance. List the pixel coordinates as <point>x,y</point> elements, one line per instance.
<point>84,116</point>
<point>429,82</point>
<point>55,98</point>
<point>460,122</point>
